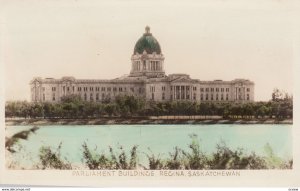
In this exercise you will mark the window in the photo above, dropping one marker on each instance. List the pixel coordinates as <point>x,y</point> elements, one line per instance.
<point>222,97</point>
<point>144,65</point>
<point>194,96</point>
<point>152,88</point>
<point>248,97</point>
<point>132,89</point>
<point>108,89</point>
<point>163,88</point>
<point>79,89</point>
<point>212,97</point>
<point>163,96</point>
<point>103,96</point>
<point>53,97</point>
<point>68,88</point>
<point>140,90</point>
<point>248,89</point>
<point>226,96</point>
<point>91,89</point>
<point>206,97</point>
<point>222,89</point>
<point>43,97</point>
<point>152,96</point>
<point>201,97</point>
<point>120,89</point>
<point>201,89</point>
<point>239,89</point>
<point>207,89</point>
<point>53,89</point>
<point>217,89</point>
<point>97,96</point>
<point>217,97</point>
<point>114,89</point>
<point>85,98</point>
<point>212,89</point>
<point>91,97</point>
<point>227,89</point>
<point>43,88</point>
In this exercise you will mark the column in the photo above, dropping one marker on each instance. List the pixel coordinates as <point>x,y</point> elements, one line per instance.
<point>174,92</point>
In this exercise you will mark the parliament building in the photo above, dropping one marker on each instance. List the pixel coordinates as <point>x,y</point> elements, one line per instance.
<point>147,79</point>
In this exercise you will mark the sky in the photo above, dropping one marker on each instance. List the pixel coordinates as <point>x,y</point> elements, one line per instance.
<point>207,39</point>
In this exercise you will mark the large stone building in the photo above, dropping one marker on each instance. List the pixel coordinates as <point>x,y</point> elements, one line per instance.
<point>147,79</point>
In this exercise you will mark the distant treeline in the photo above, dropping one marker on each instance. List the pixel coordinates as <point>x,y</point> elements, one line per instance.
<point>279,107</point>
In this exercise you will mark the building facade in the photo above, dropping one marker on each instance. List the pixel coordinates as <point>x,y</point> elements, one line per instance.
<point>147,79</point>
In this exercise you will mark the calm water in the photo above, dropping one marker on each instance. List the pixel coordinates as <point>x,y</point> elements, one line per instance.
<point>160,138</point>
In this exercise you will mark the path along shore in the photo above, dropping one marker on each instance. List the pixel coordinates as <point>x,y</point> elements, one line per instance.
<point>144,121</point>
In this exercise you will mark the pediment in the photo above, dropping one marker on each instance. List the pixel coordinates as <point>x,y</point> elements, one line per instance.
<point>182,80</point>
<point>34,81</point>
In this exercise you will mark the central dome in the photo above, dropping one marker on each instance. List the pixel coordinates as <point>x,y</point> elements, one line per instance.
<point>148,43</point>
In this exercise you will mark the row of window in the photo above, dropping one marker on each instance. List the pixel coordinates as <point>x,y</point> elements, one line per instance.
<point>214,89</point>
<point>216,97</point>
<point>182,88</point>
<point>154,65</point>
<point>177,96</point>
<point>97,89</point>
<point>85,96</point>
<point>212,97</point>
<point>152,89</point>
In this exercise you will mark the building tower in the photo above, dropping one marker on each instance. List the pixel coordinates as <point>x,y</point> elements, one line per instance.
<point>147,59</point>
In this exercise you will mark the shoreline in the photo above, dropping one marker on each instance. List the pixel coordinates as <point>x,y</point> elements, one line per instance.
<point>141,121</point>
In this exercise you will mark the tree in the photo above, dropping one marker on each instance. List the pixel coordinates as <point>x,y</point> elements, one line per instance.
<point>276,95</point>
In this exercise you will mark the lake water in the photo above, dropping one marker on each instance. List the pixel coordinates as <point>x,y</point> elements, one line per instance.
<point>161,139</point>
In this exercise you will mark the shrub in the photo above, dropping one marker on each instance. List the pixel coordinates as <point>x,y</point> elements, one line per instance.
<point>53,160</point>
<point>120,161</point>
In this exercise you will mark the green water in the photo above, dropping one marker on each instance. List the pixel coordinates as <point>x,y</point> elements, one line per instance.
<point>161,139</point>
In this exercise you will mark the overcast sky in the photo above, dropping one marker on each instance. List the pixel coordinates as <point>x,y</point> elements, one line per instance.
<point>213,39</point>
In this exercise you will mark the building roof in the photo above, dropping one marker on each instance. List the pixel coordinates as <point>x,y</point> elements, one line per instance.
<point>147,43</point>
